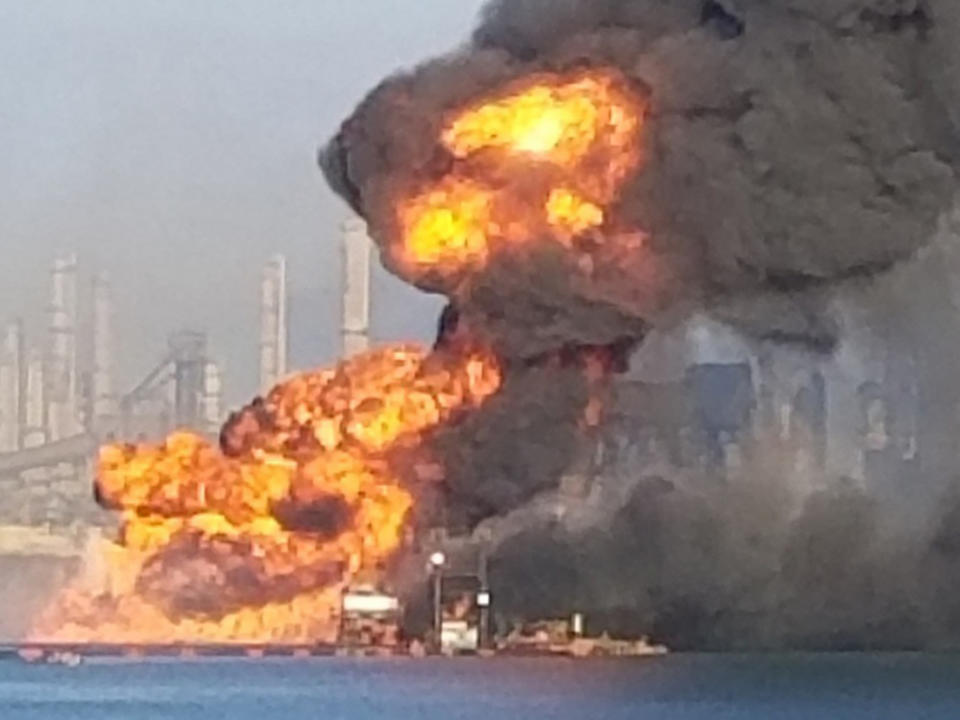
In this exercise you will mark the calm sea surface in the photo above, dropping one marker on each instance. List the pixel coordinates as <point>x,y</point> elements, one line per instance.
<point>690,687</point>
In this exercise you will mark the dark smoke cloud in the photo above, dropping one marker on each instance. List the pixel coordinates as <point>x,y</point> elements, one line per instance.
<point>516,446</point>
<point>327,517</point>
<point>524,438</point>
<point>751,562</point>
<point>192,579</point>
<point>795,150</point>
<point>790,145</point>
<point>717,570</point>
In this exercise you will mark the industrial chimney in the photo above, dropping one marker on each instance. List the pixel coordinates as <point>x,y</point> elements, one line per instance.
<point>11,388</point>
<point>103,401</point>
<point>273,323</point>
<point>34,430</point>
<point>212,403</point>
<point>61,371</point>
<point>356,287</point>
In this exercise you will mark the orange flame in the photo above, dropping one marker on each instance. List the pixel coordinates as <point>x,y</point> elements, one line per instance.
<point>255,542</point>
<point>451,223</point>
<point>562,144</point>
<point>569,212</point>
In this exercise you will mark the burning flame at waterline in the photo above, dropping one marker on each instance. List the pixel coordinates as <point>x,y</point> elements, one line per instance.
<point>254,542</point>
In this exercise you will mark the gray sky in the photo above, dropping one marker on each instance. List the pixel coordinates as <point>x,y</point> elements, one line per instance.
<point>172,143</point>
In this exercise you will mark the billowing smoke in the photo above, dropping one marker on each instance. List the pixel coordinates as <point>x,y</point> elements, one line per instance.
<point>752,561</point>
<point>786,145</point>
<point>780,152</point>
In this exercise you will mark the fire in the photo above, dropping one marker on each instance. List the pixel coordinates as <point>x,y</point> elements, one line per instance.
<point>545,157</point>
<point>449,223</point>
<point>568,211</point>
<point>550,117</point>
<point>255,541</point>
<point>559,122</point>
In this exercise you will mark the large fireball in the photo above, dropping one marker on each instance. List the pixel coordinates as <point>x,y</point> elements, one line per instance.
<point>543,157</point>
<point>254,542</point>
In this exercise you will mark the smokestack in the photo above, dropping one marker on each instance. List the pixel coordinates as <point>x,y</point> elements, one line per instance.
<point>34,401</point>
<point>104,404</point>
<point>356,287</point>
<point>11,388</point>
<point>273,323</point>
<point>212,404</point>
<point>61,371</point>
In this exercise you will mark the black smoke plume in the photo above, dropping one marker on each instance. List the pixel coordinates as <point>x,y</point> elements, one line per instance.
<point>793,149</point>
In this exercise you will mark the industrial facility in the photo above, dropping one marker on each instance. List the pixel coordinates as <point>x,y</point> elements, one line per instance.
<point>60,398</point>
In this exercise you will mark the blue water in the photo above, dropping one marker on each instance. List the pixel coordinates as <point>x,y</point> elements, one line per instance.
<point>678,687</point>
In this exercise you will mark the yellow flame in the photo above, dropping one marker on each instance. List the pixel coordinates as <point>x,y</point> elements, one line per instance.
<point>569,212</point>
<point>560,122</point>
<point>319,438</point>
<point>544,158</point>
<point>448,223</point>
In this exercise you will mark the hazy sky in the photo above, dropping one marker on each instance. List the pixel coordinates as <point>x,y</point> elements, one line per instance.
<point>173,142</point>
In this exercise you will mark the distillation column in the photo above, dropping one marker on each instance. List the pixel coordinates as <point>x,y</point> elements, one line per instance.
<point>273,323</point>
<point>62,410</point>
<point>104,411</point>
<point>356,288</point>
<point>11,389</point>
<point>212,405</point>
<point>34,430</point>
